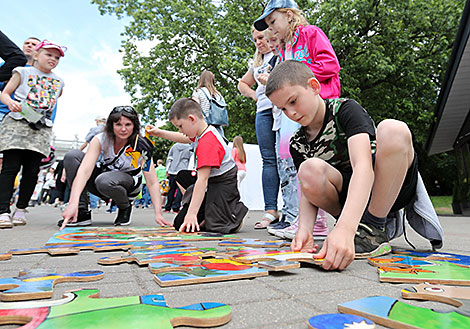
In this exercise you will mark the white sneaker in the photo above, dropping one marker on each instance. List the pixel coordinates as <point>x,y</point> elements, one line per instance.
<point>289,232</point>
<point>19,217</point>
<point>5,221</point>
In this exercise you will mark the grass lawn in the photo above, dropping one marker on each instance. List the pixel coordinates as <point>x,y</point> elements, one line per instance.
<point>442,204</point>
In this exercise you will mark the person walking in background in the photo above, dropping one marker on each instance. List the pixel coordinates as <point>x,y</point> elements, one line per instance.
<point>239,155</point>
<point>203,94</point>
<point>100,121</point>
<point>26,139</point>
<point>177,160</point>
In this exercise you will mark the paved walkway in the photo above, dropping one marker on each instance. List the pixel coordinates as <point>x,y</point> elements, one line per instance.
<point>280,300</point>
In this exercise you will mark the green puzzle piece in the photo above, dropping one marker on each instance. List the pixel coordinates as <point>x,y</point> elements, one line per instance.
<point>88,311</point>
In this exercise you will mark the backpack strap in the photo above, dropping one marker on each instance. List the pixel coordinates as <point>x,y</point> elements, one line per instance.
<point>208,98</point>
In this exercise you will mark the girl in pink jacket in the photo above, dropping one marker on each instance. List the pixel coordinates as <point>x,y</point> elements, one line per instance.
<point>304,43</point>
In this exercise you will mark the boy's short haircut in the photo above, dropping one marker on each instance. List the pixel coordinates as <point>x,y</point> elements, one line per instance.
<point>183,107</point>
<point>292,72</point>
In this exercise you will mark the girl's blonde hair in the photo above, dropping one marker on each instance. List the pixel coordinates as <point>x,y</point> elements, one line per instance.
<point>238,144</point>
<point>257,57</point>
<point>207,80</point>
<point>296,20</point>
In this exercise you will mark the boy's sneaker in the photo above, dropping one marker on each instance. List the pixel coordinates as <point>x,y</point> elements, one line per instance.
<point>5,221</point>
<point>19,217</point>
<point>371,241</point>
<point>320,229</point>
<point>83,219</point>
<point>123,217</point>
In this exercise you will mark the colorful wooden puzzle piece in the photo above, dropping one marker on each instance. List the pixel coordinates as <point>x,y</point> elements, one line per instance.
<point>120,234</point>
<point>398,261</point>
<point>5,256</point>
<point>176,256</point>
<point>269,258</point>
<point>210,270</point>
<point>445,294</point>
<point>86,310</point>
<point>463,260</point>
<point>393,313</point>
<point>39,283</point>
<point>437,272</point>
<point>75,248</point>
<point>339,321</point>
<point>255,243</point>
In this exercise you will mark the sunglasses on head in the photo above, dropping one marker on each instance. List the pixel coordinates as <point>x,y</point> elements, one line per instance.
<point>128,109</point>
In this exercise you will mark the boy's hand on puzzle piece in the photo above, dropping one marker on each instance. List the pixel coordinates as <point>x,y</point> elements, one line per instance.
<point>263,78</point>
<point>161,220</point>
<point>14,106</point>
<point>337,250</point>
<point>303,241</point>
<point>69,215</point>
<point>190,224</point>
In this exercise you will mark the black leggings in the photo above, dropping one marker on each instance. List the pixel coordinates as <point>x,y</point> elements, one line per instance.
<point>13,160</point>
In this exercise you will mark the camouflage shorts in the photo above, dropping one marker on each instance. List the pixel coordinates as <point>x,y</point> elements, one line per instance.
<point>16,134</point>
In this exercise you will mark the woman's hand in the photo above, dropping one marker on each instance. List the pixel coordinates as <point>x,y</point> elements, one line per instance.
<point>69,215</point>
<point>263,78</point>
<point>161,220</point>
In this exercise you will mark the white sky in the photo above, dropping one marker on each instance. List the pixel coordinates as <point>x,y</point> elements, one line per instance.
<point>92,85</point>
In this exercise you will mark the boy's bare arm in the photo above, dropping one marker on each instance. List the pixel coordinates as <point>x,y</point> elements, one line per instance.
<point>303,240</point>
<point>190,221</point>
<point>338,250</point>
<point>166,134</point>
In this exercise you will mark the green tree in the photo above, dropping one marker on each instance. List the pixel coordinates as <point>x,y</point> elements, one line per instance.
<point>393,54</point>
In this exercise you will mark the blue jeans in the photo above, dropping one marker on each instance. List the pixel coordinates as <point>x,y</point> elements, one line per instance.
<point>94,200</point>
<point>267,147</point>
<point>288,177</point>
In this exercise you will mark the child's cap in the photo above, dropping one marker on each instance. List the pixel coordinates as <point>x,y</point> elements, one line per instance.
<point>271,6</point>
<point>46,44</point>
<point>100,118</point>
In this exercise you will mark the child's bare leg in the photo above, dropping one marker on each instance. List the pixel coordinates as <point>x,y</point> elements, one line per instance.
<point>393,157</point>
<point>320,184</point>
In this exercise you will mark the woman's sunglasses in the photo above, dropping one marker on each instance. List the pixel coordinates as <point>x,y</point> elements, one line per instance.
<point>127,109</point>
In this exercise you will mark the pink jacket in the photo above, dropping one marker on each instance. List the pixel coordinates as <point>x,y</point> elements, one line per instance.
<point>312,47</point>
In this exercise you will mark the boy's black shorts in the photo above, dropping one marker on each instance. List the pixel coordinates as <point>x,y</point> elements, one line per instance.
<point>407,192</point>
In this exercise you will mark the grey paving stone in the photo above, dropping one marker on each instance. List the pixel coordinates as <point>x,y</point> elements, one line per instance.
<point>280,300</point>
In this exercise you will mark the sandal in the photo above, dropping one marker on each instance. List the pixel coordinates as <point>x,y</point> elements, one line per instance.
<point>264,223</point>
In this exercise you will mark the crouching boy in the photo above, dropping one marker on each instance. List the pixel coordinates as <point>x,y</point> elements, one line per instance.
<point>211,198</point>
<point>346,166</point>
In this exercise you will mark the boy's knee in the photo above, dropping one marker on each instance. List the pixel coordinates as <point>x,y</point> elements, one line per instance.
<point>312,174</point>
<point>394,135</point>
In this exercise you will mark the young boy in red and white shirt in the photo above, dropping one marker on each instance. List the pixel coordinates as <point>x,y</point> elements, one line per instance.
<point>211,198</point>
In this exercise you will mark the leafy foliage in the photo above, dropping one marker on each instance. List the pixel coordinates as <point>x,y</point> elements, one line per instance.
<point>393,54</point>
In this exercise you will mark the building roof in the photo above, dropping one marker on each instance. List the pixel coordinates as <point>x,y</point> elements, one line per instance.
<point>452,122</point>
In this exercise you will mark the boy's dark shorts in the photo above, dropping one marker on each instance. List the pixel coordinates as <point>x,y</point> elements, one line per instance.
<point>407,192</point>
